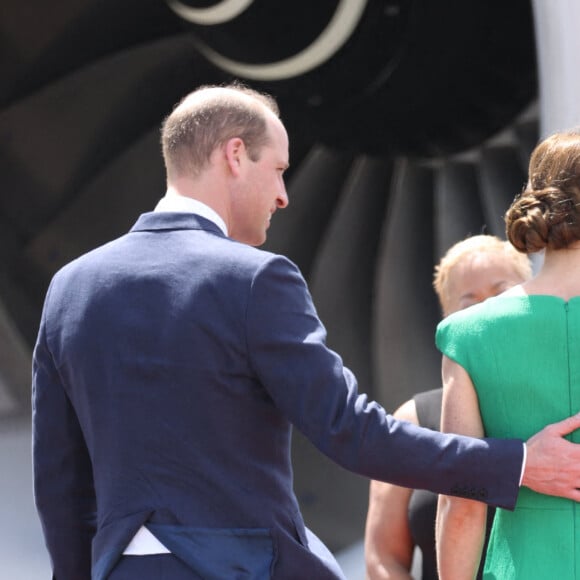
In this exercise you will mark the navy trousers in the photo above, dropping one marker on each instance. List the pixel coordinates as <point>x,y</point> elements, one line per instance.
<point>154,567</point>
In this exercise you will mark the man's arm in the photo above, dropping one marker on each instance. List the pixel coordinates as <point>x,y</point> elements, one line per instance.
<point>310,386</point>
<point>553,463</point>
<point>63,479</point>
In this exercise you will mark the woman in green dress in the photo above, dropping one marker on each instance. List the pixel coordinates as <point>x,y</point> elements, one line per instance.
<point>512,364</point>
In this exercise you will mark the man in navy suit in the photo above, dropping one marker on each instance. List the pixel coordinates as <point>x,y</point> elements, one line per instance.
<point>171,363</point>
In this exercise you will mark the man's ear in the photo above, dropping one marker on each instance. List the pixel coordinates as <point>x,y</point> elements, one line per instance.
<point>235,151</point>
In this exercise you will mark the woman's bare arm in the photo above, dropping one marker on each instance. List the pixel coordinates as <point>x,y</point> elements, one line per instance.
<point>388,543</point>
<point>460,527</point>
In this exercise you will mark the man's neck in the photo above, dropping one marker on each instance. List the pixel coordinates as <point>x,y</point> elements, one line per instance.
<point>175,202</point>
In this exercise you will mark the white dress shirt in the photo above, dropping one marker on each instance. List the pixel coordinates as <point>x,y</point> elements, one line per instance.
<point>175,202</point>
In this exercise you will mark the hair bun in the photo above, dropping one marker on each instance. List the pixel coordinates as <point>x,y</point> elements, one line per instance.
<point>542,218</point>
<point>526,224</point>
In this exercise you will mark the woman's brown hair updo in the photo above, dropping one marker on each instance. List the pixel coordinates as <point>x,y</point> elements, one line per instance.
<point>545,214</point>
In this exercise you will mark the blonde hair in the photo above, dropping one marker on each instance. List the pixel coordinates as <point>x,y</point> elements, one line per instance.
<point>465,248</point>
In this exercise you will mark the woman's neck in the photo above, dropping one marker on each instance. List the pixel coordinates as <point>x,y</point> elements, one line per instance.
<point>559,273</point>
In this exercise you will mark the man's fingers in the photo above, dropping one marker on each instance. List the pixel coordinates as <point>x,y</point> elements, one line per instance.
<point>569,493</point>
<point>568,425</point>
<point>553,463</point>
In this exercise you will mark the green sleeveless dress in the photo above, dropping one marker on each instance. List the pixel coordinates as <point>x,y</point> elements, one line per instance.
<point>523,356</point>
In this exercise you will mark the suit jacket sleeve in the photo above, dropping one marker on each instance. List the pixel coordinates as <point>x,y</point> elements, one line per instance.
<point>63,482</point>
<point>309,384</point>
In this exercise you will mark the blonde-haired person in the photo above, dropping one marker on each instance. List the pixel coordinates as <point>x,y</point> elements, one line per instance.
<point>511,364</point>
<point>399,518</point>
<point>475,269</point>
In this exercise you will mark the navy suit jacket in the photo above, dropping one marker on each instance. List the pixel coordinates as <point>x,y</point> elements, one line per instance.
<point>169,367</point>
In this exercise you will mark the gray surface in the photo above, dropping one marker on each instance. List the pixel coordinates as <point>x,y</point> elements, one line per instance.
<point>22,552</point>
<point>14,367</point>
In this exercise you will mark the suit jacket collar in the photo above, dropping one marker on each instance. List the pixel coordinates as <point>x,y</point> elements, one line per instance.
<point>155,221</point>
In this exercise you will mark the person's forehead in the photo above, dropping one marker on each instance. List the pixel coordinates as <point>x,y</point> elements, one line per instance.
<point>483,269</point>
<point>481,260</point>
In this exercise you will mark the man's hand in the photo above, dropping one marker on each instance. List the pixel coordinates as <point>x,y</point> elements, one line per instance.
<point>553,463</point>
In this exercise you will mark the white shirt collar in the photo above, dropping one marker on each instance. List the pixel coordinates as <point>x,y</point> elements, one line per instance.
<point>179,203</point>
